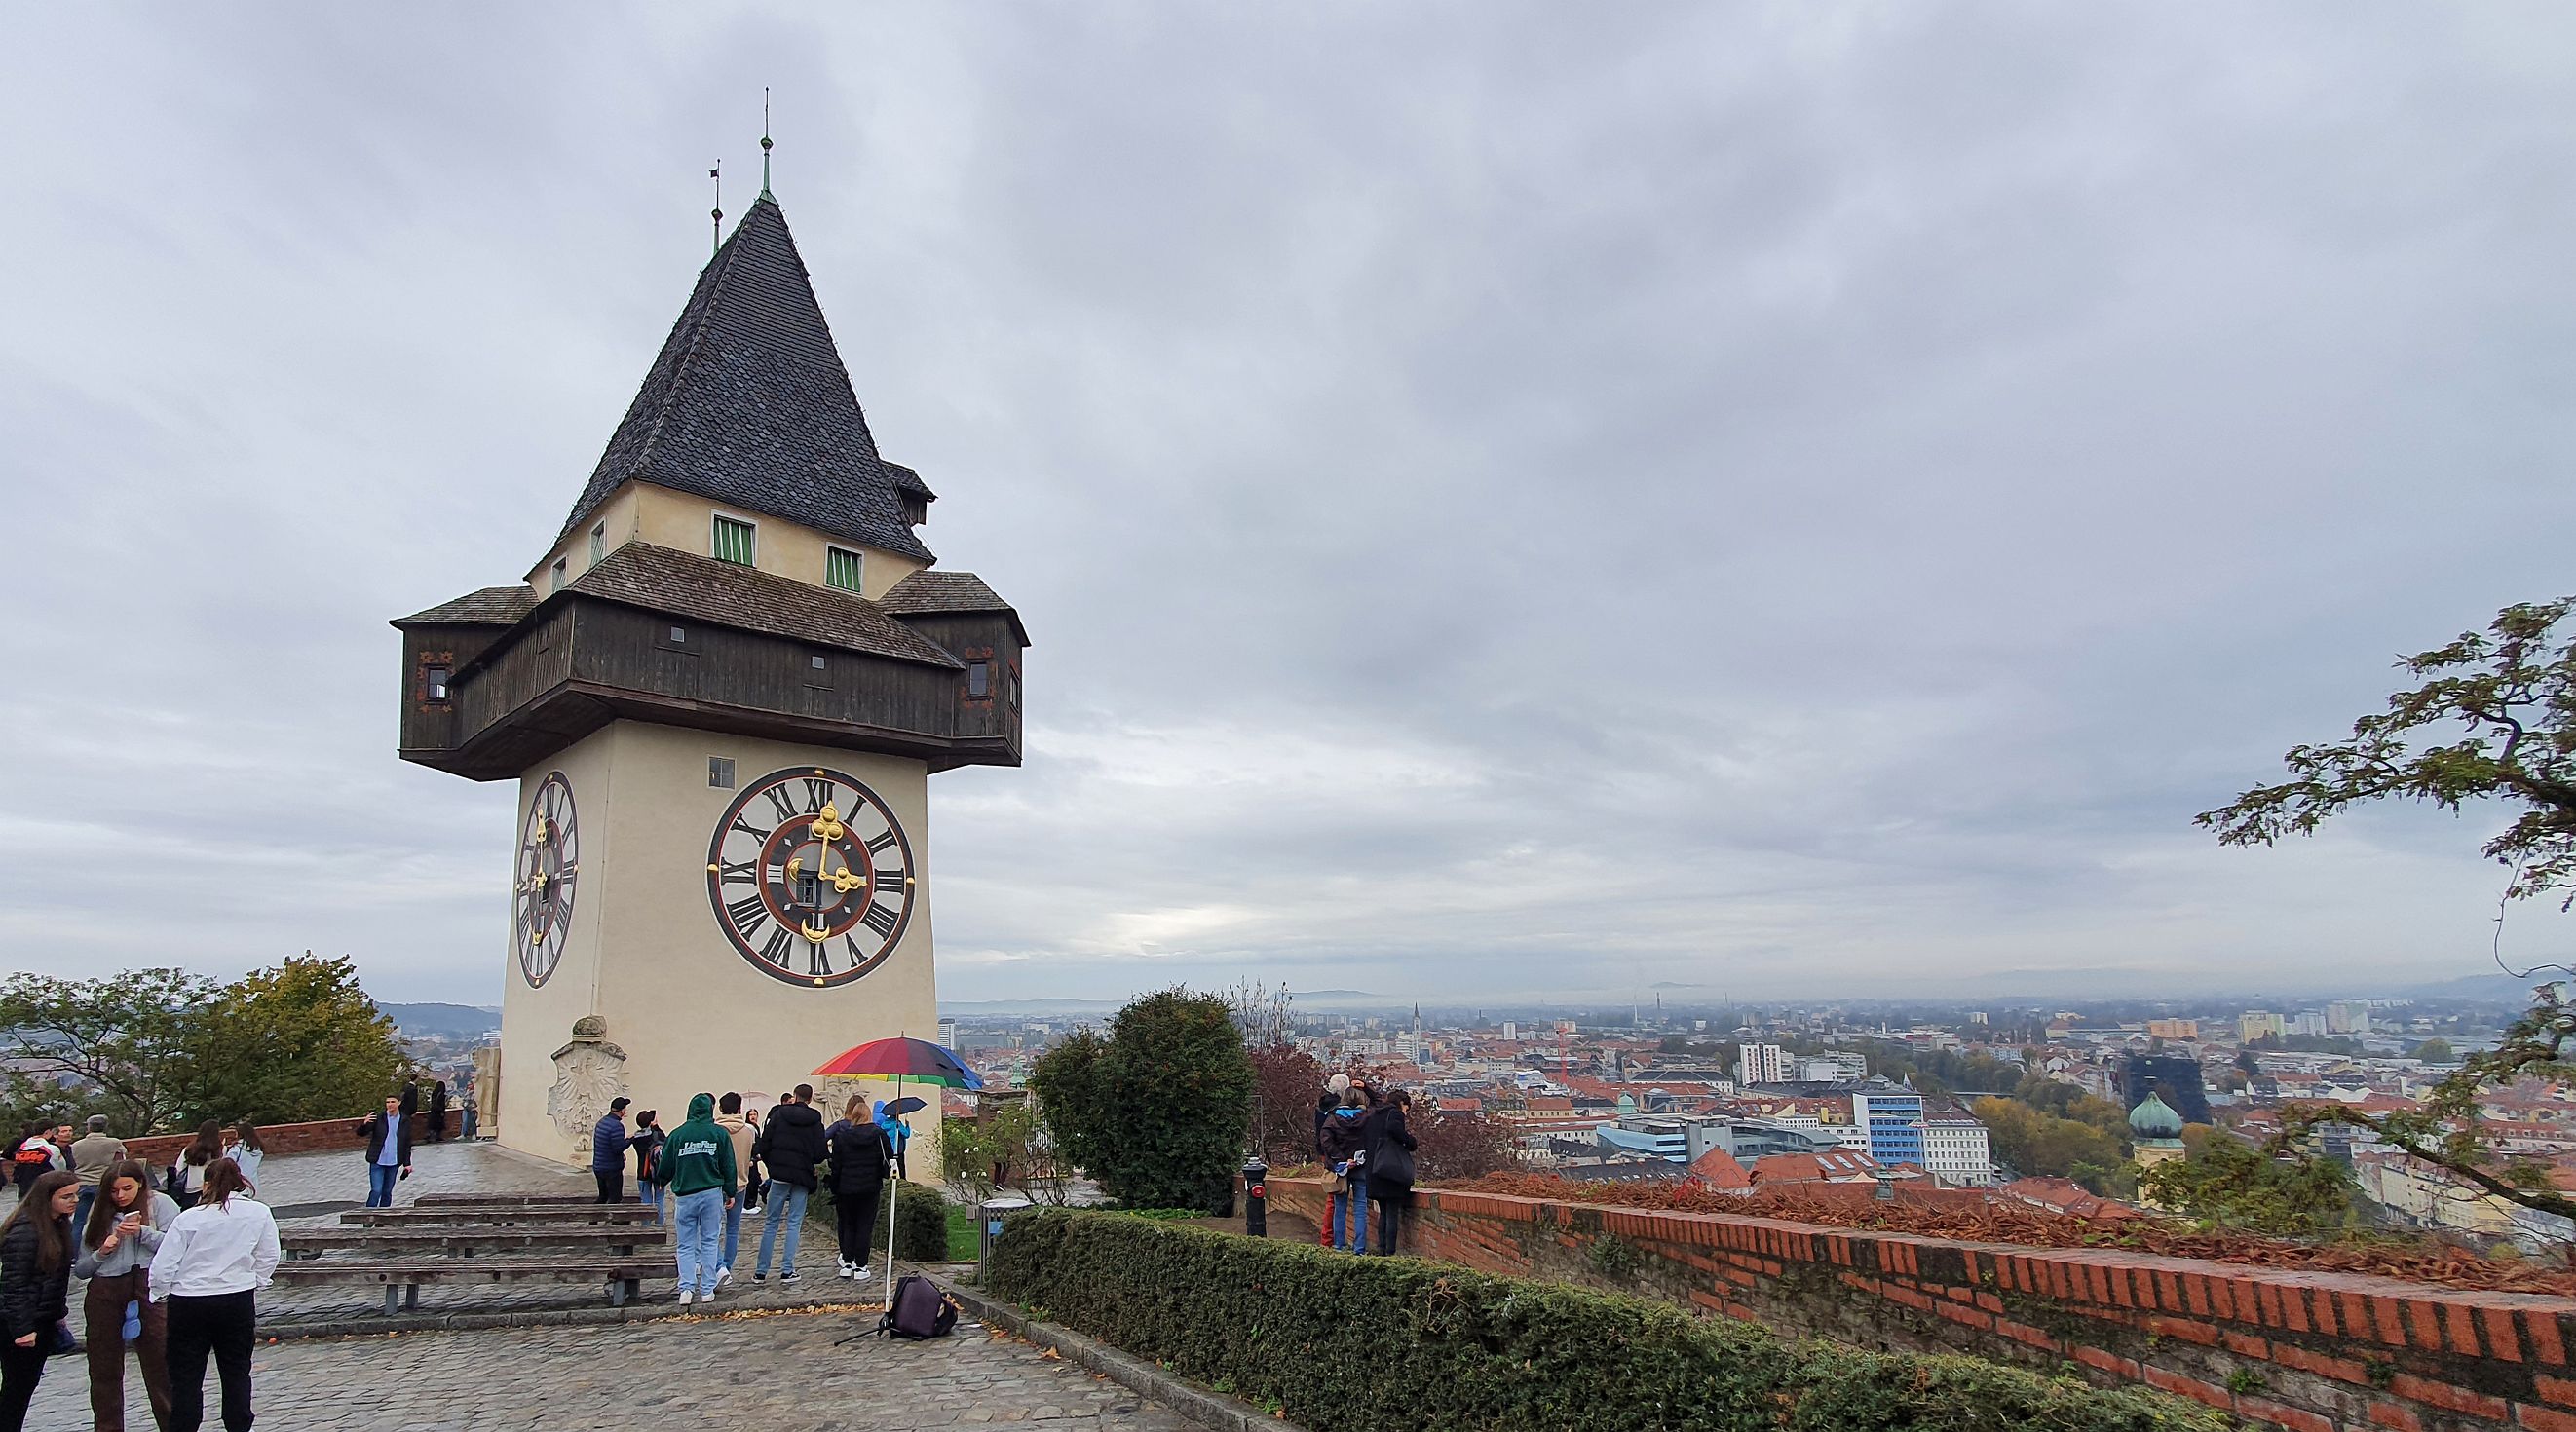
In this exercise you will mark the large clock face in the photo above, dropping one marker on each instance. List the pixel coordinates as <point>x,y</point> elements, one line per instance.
<point>810,876</point>
<point>549,863</point>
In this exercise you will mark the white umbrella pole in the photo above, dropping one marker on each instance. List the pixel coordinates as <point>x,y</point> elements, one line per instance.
<point>894,1190</point>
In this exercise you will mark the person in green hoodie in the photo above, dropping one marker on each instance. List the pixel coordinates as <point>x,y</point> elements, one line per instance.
<point>697,1162</point>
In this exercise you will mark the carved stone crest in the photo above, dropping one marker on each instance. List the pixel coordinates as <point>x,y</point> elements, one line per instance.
<point>589,1072</point>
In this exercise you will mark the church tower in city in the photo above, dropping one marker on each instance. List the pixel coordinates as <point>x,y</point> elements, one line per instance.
<point>722,690</point>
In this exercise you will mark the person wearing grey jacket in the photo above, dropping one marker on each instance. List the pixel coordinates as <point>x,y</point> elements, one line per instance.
<point>116,1247</point>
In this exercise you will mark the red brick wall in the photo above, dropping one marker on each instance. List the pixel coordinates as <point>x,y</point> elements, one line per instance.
<point>328,1135</point>
<point>2313,1352</point>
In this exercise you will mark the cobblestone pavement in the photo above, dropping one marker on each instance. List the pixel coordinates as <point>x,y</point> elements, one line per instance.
<point>777,1372</point>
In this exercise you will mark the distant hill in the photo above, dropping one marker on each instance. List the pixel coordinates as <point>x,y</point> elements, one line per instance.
<point>449,1021</point>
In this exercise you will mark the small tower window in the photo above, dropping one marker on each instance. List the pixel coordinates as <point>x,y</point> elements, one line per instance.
<point>598,543</point>
<point>733,540</point>
<point>433,683</point>
<point>558,571</point>
<point>720,772</point>
<point>841,568</point>
<point>979,679</point>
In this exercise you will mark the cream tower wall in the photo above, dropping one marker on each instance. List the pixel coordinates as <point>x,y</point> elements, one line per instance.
<point>646,953</point>
<point>684,522</point>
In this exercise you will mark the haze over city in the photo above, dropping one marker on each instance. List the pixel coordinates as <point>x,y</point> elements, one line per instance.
<point>1758,503</point>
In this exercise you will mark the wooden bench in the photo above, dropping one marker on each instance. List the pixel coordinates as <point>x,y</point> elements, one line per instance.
<point>472,1242</point>
<point>507,1200</point>
<point>402,1280</point>
<point>576,1215</point>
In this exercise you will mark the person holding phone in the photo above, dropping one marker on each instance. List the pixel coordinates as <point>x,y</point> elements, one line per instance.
<point>116,1247</point>
<point>388,1139</point>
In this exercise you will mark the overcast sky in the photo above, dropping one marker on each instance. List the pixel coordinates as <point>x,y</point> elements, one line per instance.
<point>1509,499</point>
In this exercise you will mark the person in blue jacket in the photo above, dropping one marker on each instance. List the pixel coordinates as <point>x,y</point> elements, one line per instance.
<point>898,1135</point>
<point>608,1146</point>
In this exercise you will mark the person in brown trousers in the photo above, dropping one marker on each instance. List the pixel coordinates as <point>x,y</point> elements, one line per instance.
<point>116,1247</point>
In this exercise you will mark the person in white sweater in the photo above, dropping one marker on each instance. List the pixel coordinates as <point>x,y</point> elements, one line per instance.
<point>212,1261</point>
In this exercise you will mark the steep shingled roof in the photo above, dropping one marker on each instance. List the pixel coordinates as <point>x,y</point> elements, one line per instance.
<point>492,606</point>
<point>748,404</point>
<point>682,584</point>
<point>930,593</point>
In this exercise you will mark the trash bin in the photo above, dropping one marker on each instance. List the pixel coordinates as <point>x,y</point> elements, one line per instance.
<point>988,1226</point>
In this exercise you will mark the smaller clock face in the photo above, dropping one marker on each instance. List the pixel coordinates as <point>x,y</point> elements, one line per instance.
<point>810,876</point>
<point>549,863</point>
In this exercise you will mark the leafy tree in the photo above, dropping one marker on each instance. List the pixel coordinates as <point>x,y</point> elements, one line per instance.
<point>1001,1147</point>
<point>2033,1142</point>
<point>2493,719</point>
<point>2248,1065</point>
<point>127,1046</point>
<point>2225,1180</point>
<point>1459,1143</point>
<point>2435,1051</point>
<point>1155,1112</point>
<point>291,1044</point>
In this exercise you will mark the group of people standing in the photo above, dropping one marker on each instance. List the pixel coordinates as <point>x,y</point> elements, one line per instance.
<point>171,1267</point>
<point>1361,1135</point>
<point>727,1161</point>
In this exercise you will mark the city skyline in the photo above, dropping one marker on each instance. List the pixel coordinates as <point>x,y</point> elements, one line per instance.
<point>1552,505</point>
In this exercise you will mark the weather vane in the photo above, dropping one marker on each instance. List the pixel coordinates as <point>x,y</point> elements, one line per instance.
<point>764,141</point>
<point>717,213</point>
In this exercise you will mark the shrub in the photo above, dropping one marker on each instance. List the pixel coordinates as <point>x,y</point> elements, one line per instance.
<point>1398,1342</point>
<point>1156,1112</point>
<point>920,1225</point>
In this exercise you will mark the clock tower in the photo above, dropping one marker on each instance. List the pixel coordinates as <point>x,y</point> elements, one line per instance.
<point>722,691</point>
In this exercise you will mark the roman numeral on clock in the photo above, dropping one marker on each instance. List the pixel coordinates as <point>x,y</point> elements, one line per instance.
<point>818,794</point>
<point>882,841</point>
<point>748,914</point>
<point>785,803</point>
<point>881,919</point>
<point>733,871</point>
<point>818,957</point>
<point>747,828</point>
<point>775,951</point>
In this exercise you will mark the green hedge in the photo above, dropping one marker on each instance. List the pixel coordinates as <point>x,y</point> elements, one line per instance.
<point>1338,1341</point>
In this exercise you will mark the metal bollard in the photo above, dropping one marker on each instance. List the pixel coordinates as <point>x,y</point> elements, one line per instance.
<point>1256,1196</point>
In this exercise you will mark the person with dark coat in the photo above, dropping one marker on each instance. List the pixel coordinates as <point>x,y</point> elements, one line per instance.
<point>1390,1148</point>
<point>608,1146</point>
<point>649,1176</point>
<point>790,1145</point>
<point>1345,1154</point>
<point>438,1112</point>
<point>388,1140</point>
<point>35,1289</point>
<point>861,1155</point>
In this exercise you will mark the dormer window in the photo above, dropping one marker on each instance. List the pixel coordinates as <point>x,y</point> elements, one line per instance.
<point>556,574</point>
<point>732,540</point>
<point>433,683</point>
<point>598,543</point>
<point>915,510</point>
<point>842,568</point>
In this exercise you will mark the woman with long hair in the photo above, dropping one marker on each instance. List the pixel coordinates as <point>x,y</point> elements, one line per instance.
<point>35,1289</point>
<point>245,1151</point>
<point>126,1223</point>
<point>1390,1167</point>
<point>212,1262</point>
<point>200,1155</point>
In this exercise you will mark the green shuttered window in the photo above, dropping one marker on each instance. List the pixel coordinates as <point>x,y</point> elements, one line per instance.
<point>733,541</point>
<point>841,569</point>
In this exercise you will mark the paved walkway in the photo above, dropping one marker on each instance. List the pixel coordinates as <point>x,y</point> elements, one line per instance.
<point>760,1362</point>
<point>776,1372</point>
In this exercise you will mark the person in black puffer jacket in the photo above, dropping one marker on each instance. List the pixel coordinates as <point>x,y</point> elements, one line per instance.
<point>35,1289</point>
<point>790,1145</point>
<point>1390,1166</point>
<point>861,1158</point>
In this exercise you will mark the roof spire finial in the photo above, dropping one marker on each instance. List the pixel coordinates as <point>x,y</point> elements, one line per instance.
<point>764,141</point>
<point>717,213</point>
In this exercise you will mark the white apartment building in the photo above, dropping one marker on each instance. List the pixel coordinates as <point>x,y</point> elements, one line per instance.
<point>1956,1154</point>
<point>2257,1023</point>
<point>1763,1064</point>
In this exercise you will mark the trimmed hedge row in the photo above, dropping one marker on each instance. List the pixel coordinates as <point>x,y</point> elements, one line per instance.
<point>1339,1341</point>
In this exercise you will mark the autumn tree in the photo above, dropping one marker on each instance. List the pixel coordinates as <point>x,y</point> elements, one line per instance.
<point>125,1045</point>
<point>2490,722</point>
<point>2224,1180</point>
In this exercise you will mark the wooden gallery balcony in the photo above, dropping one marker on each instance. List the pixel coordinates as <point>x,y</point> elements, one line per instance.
<point>496,681</point>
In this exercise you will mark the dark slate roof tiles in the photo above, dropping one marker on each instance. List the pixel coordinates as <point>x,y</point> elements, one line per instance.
<point>748,404</point>
<point>492,606</point>
<point>682,584</point>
